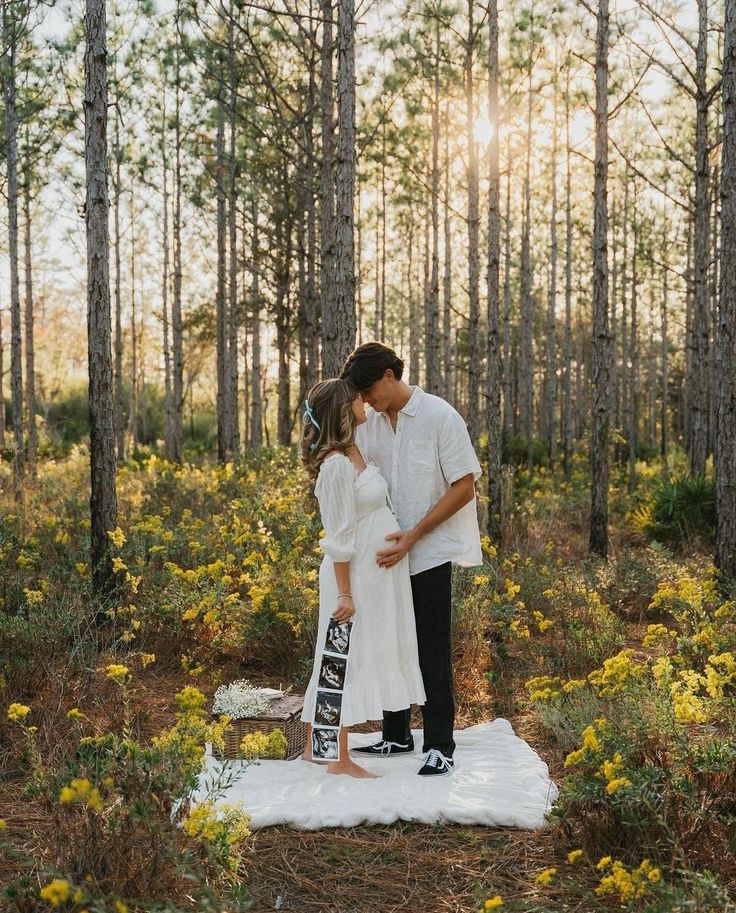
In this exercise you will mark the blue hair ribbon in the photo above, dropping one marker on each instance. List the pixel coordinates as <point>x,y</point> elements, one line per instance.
<point>308,414</point>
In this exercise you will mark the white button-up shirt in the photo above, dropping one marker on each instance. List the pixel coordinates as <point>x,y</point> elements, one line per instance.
<point>429,450</point>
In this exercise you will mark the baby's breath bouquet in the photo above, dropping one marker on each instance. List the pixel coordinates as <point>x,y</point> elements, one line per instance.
<point>240,700</point>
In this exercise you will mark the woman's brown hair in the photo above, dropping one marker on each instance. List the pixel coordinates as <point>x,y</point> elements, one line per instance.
<point>328,422</point>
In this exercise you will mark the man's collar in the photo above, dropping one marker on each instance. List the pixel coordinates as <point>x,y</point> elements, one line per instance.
<point>411,405</point>
<point>413,402</point>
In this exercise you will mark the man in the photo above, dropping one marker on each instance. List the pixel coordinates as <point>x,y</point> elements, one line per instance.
<point>422,446</point>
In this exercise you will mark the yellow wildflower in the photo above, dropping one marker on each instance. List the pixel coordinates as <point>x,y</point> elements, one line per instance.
<point>147,659</point>
<point>574,855</point>
<point>117,537</point>
<point>481,580</point>
<point>120,907</point>
<point>75,714</point>
<point>603,862</point>
<point>18,712</point>
<point>545,877</point>
<point>67,795</point>
<point>190,700</point>
<point>118,565</point>
<point>56,892</point>
<point>117,672</point>
<point>493,903</point>
<point>616,784</point>
<point>616,671</point>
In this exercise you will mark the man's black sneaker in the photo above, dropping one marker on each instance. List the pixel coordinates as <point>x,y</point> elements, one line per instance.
<point>385,748</point>
<point>436,764</point>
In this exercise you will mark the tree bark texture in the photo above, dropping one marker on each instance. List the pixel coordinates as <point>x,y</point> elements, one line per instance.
<point>493,349</point>
<point>29,321</point>
<point>474,367</point>
<point>601,340</point>
<point>328,291</point>
<point>725,456</point>
<point>223,438</point>
<point>103,498</point>
<point>700,329</point>
<point>11,28</point>
<point>432,313</point>
<point>345,189</point>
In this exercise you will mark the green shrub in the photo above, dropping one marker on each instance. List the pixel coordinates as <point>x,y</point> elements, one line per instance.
<point>678,511</point>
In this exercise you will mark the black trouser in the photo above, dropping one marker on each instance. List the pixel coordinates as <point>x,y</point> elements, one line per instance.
<point>432,593</point>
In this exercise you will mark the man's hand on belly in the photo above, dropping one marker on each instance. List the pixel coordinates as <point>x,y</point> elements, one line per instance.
<point>403,540</point>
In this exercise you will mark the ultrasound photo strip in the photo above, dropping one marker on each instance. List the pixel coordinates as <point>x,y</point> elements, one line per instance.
<point>337,639</point>
<point>330,686</point>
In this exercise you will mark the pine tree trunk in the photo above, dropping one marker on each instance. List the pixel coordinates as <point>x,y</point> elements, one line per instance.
<point>633,430</point>
<point>567,428</point>
<point>473,414</point>
<point>119,419</point>
<point>508,402</point>
<point>688,385</point>
<point>328,291</point>
<point>244,265</point>
<point>625,353</point>
<point>233,322</point>
<point>223,409</point>
<point>381,297</point>
<point>29,320</point>
<point>312,302</point>
<point>414,327</point>
<point>601,340</point>
<point>432,314</point>
<point>11,25</point>
<point>168,403</point>
<point>664,315</point>
<point>256,410</point>
<point>103,499</point>
<point>345,188</point>
<point>177,334</point>
<point>699,397</point>
<point>447,277</point>
<point>713,315</point>
<point>133,387</point>
<point>551,345</point>
<point>651,375</point>
<point>283,327</point>
<point>493,351</point>
<point>725,553</point>
<point>526,366</point>
<point>613,298</point>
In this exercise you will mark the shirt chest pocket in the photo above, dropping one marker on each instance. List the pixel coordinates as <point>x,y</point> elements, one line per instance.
<point>421,459</point>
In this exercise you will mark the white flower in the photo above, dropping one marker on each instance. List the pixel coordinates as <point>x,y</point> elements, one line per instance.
<point>240,699</point>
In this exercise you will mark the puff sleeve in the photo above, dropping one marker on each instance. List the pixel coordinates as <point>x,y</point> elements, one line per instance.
<point>335,491</point>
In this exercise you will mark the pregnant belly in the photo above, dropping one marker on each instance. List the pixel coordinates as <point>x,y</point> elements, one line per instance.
<point>372,529</point>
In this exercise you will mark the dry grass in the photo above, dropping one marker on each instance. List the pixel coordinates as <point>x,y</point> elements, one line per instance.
<point>447,869</point>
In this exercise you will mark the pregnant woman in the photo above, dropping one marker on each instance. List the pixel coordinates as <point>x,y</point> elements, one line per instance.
<point>383,663</point>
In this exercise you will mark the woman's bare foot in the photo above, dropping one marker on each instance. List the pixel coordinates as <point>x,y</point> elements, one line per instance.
<point>350,768</point>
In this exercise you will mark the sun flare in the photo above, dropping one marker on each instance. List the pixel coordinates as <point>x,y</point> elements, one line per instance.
<point>483,129</point>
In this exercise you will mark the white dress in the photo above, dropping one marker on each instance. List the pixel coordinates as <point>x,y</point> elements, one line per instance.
<point>383,664</point>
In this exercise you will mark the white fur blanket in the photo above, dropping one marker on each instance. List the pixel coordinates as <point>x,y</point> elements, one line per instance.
<point>498,780</point>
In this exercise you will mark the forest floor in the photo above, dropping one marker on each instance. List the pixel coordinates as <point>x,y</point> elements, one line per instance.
<point>542,610</point>
<point>435,869</point>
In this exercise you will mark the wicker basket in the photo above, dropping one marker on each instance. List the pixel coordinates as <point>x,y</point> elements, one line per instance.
<point>283,714</point>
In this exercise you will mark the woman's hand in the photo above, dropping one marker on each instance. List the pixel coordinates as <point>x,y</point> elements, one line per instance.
<point>345,609</point>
